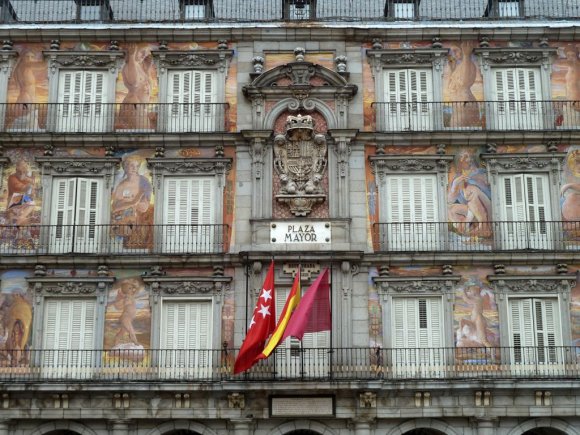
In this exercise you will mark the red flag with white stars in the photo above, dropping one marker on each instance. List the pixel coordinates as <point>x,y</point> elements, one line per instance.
<point>261,326</point>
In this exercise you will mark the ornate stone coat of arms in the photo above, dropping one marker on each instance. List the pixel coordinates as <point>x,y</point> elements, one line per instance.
<point>300,161</point>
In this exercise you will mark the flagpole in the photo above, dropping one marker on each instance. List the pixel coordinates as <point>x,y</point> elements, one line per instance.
<point>247,293</point>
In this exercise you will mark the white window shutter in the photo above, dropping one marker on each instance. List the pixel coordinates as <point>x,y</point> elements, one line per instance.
<point>69,324</point>
<point>522,327</point>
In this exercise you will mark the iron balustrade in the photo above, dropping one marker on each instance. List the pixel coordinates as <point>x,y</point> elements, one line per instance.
<point>135,363</point>
<point>477,236</point>
<point>113,239</point>
<point>520,115</point>
<point>176,11</point>
<point>114,117</point>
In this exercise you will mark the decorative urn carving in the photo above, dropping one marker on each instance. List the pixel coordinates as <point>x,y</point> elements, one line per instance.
<point>300,161</point>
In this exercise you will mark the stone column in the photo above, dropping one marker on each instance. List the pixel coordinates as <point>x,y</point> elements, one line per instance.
<point>241,426</point>
<point>485,426</point>
<point>362,426</point>
<point>119,427</point>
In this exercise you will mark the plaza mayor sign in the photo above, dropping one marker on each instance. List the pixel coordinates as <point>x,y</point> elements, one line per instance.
<point>300,232</point>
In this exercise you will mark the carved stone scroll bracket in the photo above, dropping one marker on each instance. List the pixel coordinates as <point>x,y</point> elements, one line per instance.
<point>7,61</point>
<point>56,286</point>
<point>382,165</point>
<point>417,285</point>
<point>167,286</point>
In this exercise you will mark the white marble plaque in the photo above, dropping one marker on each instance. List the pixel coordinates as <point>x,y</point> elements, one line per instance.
<point>300,232</point>
<point>302,406</point>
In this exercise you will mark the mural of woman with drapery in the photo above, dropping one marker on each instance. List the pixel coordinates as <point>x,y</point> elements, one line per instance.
<point>132,208</point>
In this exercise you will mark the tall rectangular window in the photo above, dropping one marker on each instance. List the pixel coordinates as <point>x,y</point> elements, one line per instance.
<point>192,98</point>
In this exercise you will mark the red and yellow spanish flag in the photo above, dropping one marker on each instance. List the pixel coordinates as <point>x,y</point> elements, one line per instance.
<point>289,307</point>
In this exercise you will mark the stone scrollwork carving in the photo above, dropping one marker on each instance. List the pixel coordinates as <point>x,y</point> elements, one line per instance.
<point>213,59</point>
<point>105,167</point>
<point>417,285</point>
<point>507,56</point>
<point>110,60</point>
<point>187,285</point>
<point>63,286</point>
<point>300,161</point>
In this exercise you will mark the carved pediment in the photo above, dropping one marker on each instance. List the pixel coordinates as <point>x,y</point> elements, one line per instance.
<point>194,59</point>
<point>7,58</point>
<point>514,56</point>
<point>70,286</point>
<point>384,164</point>
<point>84,59</point>
<point>191,166</point>
<point>187,285</point>
<point>406,58</point>
<point>416,285</point>
<point>532,284</point>
<point>523,162</point>
<point>77,166</point>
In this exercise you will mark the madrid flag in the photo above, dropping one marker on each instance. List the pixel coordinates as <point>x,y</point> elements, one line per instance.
<point>313,312</point>
<point>262,324</point>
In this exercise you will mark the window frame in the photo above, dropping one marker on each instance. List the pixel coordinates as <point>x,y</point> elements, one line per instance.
<point>287,9</point>
<point>88,168</point>
<point>433,59</point>
<point>208,9</point>
<point>385,166</point>
<point>107,62</point>
<point>550,164</point>
<point>214,61</point>
<point>390,9</point>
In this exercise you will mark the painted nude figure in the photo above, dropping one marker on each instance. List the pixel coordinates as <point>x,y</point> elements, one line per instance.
<point>134,112</point>
<point>127,303</point>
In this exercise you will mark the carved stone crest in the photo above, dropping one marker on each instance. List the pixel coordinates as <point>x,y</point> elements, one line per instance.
<point>300,161</point>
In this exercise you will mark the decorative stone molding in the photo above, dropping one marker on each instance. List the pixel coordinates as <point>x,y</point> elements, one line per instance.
<point>110,60</point>
<point>7,60</point>
<point>81,166</point>
<point>300,161</point>
<point>419,285</point>
<point>300,94</point>
<point>258,147</point>
<point>202,166</point>
<point>532,284</point>
<point>407,58</point>
<point>43,286</point>
<point>368,399</point>
<point>514,56</point>
<point>307,270</point>
<point>163,286</point>
<point>236,401</point>
<point>193,59</point>
<point>382,165</point>
<point>522,162</point>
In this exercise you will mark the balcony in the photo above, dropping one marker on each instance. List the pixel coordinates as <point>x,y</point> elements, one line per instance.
<point>515,115</point>
<point>337,364</point>
<point>113,239</point>
<point>184,11</point>
<point>114,118</point>
<point>477,237</point>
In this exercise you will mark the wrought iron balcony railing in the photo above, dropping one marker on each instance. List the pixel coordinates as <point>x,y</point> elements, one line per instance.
<point>519,115</point>
<point>160,11</point>
<point>337,364</point>
<point>114,118</point>
<point>113,239</point>
<point>477,236</point>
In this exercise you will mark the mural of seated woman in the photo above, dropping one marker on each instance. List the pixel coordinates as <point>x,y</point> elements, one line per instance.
<point>132,212</point>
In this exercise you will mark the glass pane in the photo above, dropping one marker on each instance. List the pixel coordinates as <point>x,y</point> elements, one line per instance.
<point>509,9</point>
<point>404,10</point>
<point>194,12</point>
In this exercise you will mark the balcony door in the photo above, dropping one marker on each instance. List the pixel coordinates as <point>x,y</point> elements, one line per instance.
<point>535,335</point>
<point>525,212</point>
<point>411,206</point>
<point>409,99</point>
<point>191,97</point>
<point>75,219</point>
<point>417,328</point>
<point>307,358</point>
<point>69,338</point>
<point>518,96</point>
<point>189,215</point>
<point>186,340</point>
<point>82,102</point>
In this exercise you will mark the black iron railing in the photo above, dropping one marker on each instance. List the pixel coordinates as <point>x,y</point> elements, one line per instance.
<point>179,11</point>
<point>122,239</point>
<point>477,236</point>
<point>135,363</point>
<point>108,118</point>
<point>522,115</point>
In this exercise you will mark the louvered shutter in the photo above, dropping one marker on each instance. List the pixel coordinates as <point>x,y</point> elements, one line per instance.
<point>88,228</point>
<point>412,209</point>
<point>70,97</point>
<point>408,94</point>
<point>63,215</point>
<point>518,95</point>
<point>190,94</point>
<point>396,97</point>
<point>522,335</point>
<point>186,338</point>
<point>547,330</point>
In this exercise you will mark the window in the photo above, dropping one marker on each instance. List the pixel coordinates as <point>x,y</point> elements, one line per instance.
<point>409,98</point>
<point>535,335</point>
<point>75,224</point>
<point>81,98</point>
<point>186,338</point>
<point>517,104</point>
<point>402,9</point>
<point>196,9</point>
<point>411,213</point>
<point>192,95</point>
<point>411,205</point>
<point>69,336</point>
<point>525,211</point>
<point>189,215</point>
<point>299,9</point>
<point>504,8</point>
<point>307,358</point>
<point>94,10</point>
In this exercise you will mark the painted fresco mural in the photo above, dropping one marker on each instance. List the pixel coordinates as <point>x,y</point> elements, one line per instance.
<point>16,312</point>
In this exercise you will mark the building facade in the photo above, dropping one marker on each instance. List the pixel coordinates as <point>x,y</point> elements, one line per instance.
<point>157,155</point>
